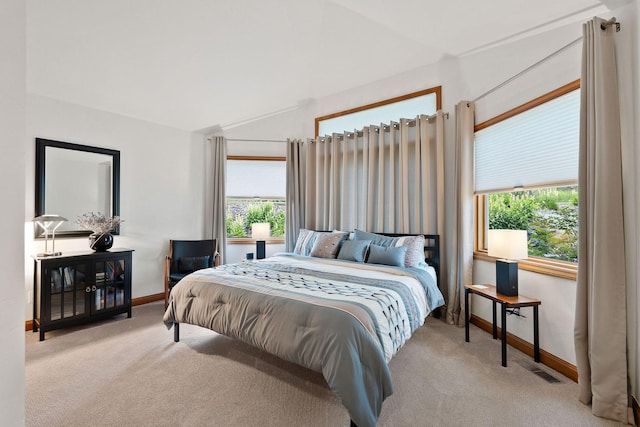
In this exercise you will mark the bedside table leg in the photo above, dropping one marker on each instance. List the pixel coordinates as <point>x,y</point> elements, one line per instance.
<point>536,337</point>
<point>467,315</point>
<point>503,315</point>
<point>495,322</point>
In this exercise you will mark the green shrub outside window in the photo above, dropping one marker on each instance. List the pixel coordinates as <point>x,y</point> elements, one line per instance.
<point>549,215</point>
<point>243,212</point>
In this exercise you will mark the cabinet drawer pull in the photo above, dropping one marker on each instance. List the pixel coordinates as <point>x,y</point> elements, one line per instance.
<point>93,288</point>
<point>87,289</point>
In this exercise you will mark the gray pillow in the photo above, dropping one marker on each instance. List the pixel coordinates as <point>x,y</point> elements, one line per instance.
<point>305,242</point>
<point>327,245</point>
<point>354,250</point>
<point>387,255</point>
<point>376,239</point>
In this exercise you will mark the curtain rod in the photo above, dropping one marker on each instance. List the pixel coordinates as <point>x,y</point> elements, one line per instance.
<point>603,26</point>
<point>385,128</point>
<point>509,80</point>
<point>253,140</point>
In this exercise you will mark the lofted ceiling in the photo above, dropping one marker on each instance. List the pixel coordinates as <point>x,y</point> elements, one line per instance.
<point>192,64</point>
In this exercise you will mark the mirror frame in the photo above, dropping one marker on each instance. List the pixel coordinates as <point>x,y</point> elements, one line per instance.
<point>40,208</point>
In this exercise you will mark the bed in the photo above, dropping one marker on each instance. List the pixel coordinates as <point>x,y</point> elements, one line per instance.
<point>334,314</point>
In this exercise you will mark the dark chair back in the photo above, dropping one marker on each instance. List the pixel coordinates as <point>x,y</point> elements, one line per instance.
<point>179,250</point>
<point>187,256</point>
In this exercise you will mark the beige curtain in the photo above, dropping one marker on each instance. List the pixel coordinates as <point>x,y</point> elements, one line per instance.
<point>295,192</point>
<point>460,240</point>
<point>386,178</point>
<point>600,324</point>
<point>216,223</point>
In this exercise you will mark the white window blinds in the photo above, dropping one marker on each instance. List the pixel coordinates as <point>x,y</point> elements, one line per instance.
<point>256,178</point>
<point>536,148</point>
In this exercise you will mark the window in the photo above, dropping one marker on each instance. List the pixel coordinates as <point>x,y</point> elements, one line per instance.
<point>408,106</point>
<point>550,215</point>
<point>256,192</point>
<point>526,173</point>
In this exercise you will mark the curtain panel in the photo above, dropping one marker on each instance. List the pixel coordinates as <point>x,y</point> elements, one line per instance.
<point>216,212</point>
<point>601,303</point>
<point>386,178</point>
<point>460,241</point>
<point>295,192</point>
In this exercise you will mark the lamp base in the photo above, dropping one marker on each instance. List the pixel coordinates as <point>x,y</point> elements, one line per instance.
<point>507,277</point>
<point>260,249</point>
<point>46,254</point>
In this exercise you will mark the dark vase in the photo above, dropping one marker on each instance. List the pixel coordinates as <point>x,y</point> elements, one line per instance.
<point>100,242</point>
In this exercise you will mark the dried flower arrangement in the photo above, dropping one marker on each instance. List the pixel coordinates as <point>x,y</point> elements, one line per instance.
<point>98,222</point>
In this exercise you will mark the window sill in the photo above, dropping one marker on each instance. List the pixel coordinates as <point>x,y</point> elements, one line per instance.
<point>250,241</point>
<point>562,269</point>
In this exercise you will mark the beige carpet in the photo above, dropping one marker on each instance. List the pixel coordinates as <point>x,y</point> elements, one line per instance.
<point>129,372</point>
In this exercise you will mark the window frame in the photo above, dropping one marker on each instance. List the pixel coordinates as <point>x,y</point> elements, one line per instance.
<point>562,269</point>
<point>250,240</point>
<point>436,89</point>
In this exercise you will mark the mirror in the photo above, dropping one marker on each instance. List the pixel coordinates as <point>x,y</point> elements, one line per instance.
<point>72,179</point>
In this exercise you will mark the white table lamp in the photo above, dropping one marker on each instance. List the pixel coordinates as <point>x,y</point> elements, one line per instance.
<point>260,231</point>
<point>49,223</point>
<point>509,246</point>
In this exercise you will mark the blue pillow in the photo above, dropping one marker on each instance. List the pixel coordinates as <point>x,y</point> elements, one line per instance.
<point>387,255</point>
<point>376,239</point>
<point>354,250</point>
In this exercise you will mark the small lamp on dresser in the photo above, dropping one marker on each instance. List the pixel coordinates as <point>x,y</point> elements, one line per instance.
<point>260,231</point>
<point>49,224</point>
<point>509,246</point>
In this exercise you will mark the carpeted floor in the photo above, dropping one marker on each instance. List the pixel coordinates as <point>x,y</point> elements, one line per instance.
<point>129,372</point>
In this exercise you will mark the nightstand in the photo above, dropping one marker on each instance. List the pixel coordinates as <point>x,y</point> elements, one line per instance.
<point>489,292</point>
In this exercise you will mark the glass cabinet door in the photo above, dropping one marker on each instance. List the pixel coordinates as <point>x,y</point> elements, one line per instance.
<point>68,289</point>
<point>109,285</point>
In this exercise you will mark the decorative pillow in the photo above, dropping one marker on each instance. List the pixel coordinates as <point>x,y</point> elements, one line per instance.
<point>415,249</point>
<point>387,255</point>
<point>327,245</point>
<point>376,239</point>
<point>414,244</point>
<point>305,241</point>
<point>354,250</point>
<point>190,264</point>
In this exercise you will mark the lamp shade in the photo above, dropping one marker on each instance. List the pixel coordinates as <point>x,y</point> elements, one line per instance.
<point>508,244</point>
<point>49,219</point>
<point>260,230</point>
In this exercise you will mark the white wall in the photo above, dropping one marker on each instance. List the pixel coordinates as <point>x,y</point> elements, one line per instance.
<point>12,173</point>
<point>161,183</point>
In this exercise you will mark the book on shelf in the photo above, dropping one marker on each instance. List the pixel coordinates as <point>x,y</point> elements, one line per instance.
<point>68,277</point>
<point>56,280</point>
<point>101,278</point>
